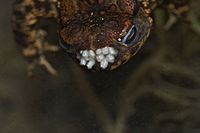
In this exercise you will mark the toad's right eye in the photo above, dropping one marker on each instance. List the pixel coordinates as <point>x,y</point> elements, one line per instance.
<point>130,36</point>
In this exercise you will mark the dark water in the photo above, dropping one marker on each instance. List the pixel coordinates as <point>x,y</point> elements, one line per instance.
<point>158,91</point>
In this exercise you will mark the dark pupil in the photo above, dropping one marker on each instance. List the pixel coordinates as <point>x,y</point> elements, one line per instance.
<point>130,36</point>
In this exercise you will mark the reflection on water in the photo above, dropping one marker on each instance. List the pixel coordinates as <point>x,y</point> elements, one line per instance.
<point>156,92</point>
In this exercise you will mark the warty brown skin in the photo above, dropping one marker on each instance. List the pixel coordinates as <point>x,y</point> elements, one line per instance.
<point>96,24</point>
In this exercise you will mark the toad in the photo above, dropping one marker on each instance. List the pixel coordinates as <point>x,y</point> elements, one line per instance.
<point>98,34</point>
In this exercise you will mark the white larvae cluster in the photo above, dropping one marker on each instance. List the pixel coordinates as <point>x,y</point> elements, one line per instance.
<point>87,58</point>
<point>103,55</point>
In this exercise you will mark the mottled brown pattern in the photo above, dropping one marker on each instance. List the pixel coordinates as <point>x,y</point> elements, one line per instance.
<point>26,14</point>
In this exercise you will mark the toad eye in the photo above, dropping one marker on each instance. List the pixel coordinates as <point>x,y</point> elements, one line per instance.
<point>130,36</point>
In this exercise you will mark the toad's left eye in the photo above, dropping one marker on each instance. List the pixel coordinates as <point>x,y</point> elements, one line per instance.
<point>130,36</point>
